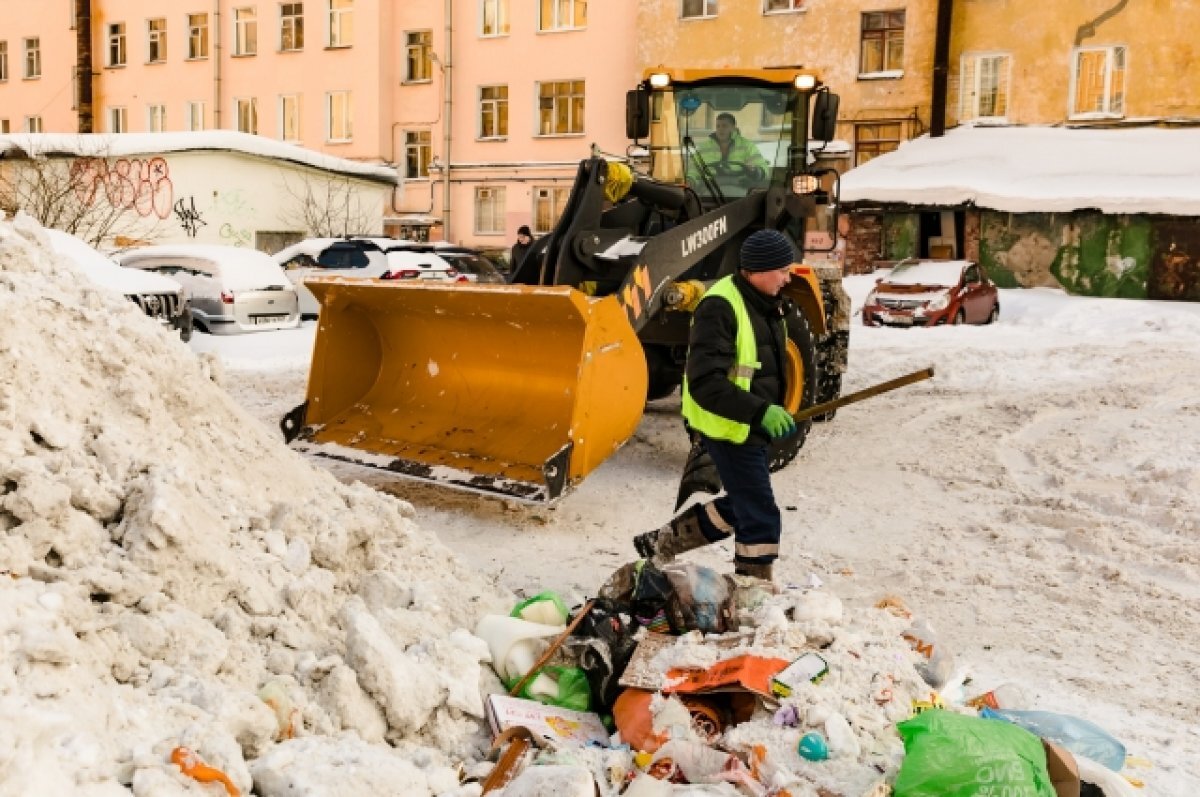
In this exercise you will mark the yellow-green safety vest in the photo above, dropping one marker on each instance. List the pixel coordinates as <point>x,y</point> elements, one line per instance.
<point>708,423</point>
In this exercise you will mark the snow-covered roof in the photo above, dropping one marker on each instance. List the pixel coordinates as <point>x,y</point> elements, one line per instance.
<point>1039,169</point>
<point>116,145</point>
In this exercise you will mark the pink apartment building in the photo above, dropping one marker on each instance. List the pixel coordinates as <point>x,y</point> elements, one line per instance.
<point>528,86</point>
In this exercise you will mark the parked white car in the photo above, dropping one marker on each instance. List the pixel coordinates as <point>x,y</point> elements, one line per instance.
<point>160,297</point>
<point>233,289</point>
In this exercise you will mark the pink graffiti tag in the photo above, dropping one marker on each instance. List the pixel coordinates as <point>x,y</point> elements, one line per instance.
<point>143,186</point>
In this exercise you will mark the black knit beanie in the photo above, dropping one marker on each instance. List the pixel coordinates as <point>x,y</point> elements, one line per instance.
<point>767,250</point>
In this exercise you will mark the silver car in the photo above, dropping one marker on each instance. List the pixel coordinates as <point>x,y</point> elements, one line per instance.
<point>233,289</point>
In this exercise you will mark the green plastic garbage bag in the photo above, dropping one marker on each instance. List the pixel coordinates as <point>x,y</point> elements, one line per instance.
<point>954,755</point>
<point>573,690</point>
<point>545,608</point>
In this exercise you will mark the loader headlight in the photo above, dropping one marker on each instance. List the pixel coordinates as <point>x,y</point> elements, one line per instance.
<point>939,302</point>
<point>806,82</point>
<point>660,80</point>
<point>805,184</point>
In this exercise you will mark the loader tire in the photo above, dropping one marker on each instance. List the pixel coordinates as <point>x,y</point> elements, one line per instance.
<point>800,364</point>
<point>665,374</point>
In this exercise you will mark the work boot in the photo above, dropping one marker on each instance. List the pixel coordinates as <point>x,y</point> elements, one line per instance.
<point>681,534</point>
<point>753,570</point>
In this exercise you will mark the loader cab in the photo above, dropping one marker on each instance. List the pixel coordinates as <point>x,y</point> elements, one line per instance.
<point>725,135</point>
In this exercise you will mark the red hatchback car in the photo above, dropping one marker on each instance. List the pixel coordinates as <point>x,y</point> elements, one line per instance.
<point>926,293</point>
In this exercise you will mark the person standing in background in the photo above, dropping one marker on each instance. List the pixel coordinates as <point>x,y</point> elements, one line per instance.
<point>520,248</point>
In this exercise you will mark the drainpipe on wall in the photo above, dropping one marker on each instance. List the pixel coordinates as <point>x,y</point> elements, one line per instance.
<point>941,69</point>
<point>448,78</point>
<point>216,39</point>
<point>83,64</point>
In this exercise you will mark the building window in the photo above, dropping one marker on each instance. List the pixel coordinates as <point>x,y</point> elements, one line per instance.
<point>493,111</point>
<point>33,124</point>
<point>118,120</point>
<point>697,9</point>
<point>418,51</point>
<point>247,115</point>
<point>289,118</point>
<point>3,60</point>
<point>116,44</point>
<point>156,118</point>
<point>4,128</point>
<point>156,41</point>
<point>291,27</point>
<point>1098,82</point>
<point>197,35</point>
<point>873,139</point>
<point>341,23</point>
<point>493,18</point>
<point>33,59</point>
<point>195,116</point>
<point>983,87</point>
<point>560,108</point>
<point>340,111</point>
<point>245,31</point>
<point>882,42</point>
<point>562,14</point>
<point>489,211</point>
<point>782,6</point>
<point>548,205</point>
<point>417,150</point>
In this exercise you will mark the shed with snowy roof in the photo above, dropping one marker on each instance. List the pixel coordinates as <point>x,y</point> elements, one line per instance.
<point>1100,212</point>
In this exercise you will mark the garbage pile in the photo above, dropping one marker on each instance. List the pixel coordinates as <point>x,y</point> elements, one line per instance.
<point>680,681</point>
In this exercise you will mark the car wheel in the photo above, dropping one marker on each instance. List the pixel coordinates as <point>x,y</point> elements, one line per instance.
<point>800,373</point>
<point>994,315</point>
<point>960,317</point>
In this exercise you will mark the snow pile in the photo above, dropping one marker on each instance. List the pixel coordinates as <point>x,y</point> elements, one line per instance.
<point>170,566</point>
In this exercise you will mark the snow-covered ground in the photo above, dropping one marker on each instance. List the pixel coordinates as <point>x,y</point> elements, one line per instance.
<point>1038,501</point>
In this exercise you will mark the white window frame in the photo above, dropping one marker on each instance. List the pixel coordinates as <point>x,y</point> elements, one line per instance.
<point>420,144</point>
<point>116,53</point>
<point>3,61</point>
<point>341,23</point>
<point>1110,56</point>
<point>556,196</point>
<point>156,41</point>
<point>969,96</point>
<point>499,13</point>
<point>198,40</point>
<point>295,22</point>
<point>557,24</point>
<point>284,101</point>
<point>708,9</point>
<point>156,118</point>
<point>793,7</point>
<point>418,56</point>
<point>555,99</point>
<point>495,216</point>
<point>339,112</point>
<point>33,124</point>
<point>117,118</point>
<point>245,31</point>
<point>499,108</point>
<point>250,105</point>
<point>195,115</point>
<point>33,59</point>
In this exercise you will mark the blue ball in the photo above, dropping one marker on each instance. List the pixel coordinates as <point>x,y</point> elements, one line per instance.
<point>813,747</point>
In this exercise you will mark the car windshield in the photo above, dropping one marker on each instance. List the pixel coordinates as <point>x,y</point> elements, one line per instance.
<point>946,273</point>
<point>469,263</point>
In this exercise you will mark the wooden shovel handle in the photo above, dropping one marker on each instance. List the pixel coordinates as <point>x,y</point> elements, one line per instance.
<point>550,651</point>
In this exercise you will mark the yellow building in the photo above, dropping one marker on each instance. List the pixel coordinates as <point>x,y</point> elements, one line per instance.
<point>878,55</point>
<point>1072,61</point>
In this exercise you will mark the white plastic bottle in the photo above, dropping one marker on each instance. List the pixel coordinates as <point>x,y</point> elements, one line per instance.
<point>1006,695</point>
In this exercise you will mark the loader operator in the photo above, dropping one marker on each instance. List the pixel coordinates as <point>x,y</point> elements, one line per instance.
<point>727,152</point>
<point>732,393</point>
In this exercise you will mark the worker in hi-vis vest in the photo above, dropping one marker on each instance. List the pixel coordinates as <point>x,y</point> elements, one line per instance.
<point>733,391</point>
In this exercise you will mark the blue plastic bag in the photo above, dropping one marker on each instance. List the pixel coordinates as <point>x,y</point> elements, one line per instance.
<point>1077,735</point>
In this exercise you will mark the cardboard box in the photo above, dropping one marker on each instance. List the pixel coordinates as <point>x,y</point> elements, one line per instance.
<point>808,668</point>
<point>559,726</point>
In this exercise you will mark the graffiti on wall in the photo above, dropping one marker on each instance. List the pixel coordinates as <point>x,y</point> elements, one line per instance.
<point>189,218</point>
<point>140,185</point>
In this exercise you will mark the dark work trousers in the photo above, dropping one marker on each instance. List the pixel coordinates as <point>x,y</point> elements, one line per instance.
<point>747,510</point>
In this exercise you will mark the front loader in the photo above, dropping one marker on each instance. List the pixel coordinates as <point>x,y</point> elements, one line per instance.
<point>523,389</point>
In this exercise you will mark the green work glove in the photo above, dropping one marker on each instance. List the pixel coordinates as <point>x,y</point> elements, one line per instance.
<point>778,422</point>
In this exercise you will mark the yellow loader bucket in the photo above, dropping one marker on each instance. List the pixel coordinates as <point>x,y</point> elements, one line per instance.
<point>511,389</point>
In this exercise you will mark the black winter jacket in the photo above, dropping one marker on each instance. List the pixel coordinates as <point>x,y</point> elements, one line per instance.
<point>712,352</point>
